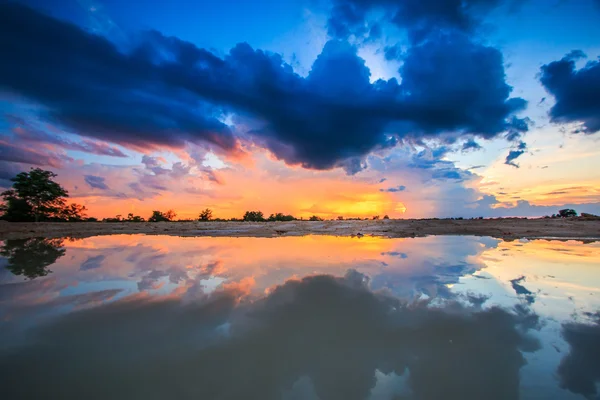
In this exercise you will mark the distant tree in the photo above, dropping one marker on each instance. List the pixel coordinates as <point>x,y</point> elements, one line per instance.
<point>386,217</point>
<point>159,216</point>
<point>91,219</point>
<point>205,215</point>
<point>31,257</point>
<point>170,215</point>
<point>280,217</point>
<point>375,217</point>
<point>36,193</point>
<point>315,218</point>
<point>134,218</point>
<point>254,216</point>
<point>567,212</point>
<point>72,212</point>
<point>340,218</point>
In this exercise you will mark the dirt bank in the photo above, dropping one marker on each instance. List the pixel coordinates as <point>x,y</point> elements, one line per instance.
<point>500,228</point>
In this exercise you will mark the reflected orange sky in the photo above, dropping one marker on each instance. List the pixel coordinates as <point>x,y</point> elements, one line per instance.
<point>106,268</point>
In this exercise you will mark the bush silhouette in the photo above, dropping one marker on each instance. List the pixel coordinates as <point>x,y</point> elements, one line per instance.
<point>253,216</point>
<point>281,217</point>
<point>159,216</point>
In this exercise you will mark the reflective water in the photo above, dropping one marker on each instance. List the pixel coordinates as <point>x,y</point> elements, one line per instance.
<point>316,317</point>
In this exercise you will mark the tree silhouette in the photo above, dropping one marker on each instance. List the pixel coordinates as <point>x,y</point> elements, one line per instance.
<point>280,217</point>
<point>205,215</point>
<point>31,257</point>
<point>34,196</point>
<point>159,216</point>
<point>254,216</point>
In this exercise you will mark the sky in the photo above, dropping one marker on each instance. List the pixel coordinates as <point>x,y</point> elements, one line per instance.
<point>354,108</point>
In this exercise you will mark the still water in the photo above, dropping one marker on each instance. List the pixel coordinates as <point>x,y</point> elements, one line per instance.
<point>314,317</point>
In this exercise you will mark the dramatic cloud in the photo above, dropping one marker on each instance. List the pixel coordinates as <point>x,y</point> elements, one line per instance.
<point>417,17</point>
<point>166,92</point>
<point>93,89</point>
<point>575,91</point>
<point>96,182</point>
<point>454,84</point>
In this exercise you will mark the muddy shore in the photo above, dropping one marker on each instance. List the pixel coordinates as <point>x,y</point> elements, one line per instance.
<point>509,228</point>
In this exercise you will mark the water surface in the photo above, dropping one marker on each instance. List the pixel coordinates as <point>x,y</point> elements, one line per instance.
<point>314,317</point>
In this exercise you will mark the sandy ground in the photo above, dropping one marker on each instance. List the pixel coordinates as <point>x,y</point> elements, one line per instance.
<point>501,228</point>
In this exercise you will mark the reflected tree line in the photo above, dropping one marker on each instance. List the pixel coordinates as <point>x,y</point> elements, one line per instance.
<point>31,257</point>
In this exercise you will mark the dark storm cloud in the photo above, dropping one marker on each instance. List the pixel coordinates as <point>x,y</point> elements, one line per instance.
<point>93,89</point>
<point>576,91</point>
<point>579,371</point>
<point>418,17</point>
<point>455,84</point>
<point>334,331</point>
<point>95,182</point>
<point>167,91</point>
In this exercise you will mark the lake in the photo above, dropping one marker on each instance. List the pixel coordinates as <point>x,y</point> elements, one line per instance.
<point>311,317</point>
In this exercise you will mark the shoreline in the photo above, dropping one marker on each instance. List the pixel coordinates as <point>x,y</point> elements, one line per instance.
<point>506,228</point>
